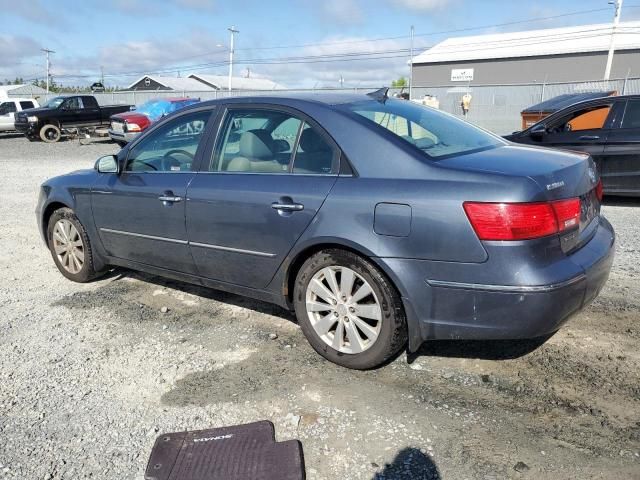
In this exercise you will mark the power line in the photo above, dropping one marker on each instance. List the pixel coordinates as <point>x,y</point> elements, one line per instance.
<point>379,54</point>
<point>399,37</point>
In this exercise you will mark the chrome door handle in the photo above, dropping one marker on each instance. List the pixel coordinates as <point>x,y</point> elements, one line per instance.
<point>288,207</point>
<point>169,198</point>
<point>589,137</point>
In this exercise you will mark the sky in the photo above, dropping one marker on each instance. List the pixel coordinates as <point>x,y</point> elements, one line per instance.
<point>302,43</point>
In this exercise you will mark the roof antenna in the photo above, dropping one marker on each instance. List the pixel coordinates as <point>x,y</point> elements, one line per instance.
<point>381,95</point>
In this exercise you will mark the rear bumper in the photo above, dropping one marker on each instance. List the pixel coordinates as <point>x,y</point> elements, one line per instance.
<point>460,308</point>
<point>123,136</point>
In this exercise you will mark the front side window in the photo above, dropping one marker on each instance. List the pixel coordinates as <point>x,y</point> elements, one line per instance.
<point>631,115</point>
<point>170,148</point>
<point>256,141</point>
<point>435,133</point>
<point>73,103</point>
<point>592,118</point>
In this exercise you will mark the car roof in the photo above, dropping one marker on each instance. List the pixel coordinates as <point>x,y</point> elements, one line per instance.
<point>294,98</point>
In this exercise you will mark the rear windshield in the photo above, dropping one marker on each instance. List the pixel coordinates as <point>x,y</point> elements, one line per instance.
<point>435,133</point>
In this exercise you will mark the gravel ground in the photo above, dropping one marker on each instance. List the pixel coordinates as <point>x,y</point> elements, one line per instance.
<point>91,374</point>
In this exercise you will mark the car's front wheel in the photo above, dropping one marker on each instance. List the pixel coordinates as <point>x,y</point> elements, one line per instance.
<point>50,133</point>
<point>70,247</point>
<point>349,311</point>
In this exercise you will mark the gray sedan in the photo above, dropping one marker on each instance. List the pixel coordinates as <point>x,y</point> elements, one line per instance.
<point>381,223</point>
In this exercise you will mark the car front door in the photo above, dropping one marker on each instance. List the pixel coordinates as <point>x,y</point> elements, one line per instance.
<point>583,129</point>
<point>139,213</point>
<point>270,171</point>
<point>621,162</point>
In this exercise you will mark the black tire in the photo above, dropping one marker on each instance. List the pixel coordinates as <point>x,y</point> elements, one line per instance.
<point>87,272</point>
<point>393,330</point>
<point>32,138</point>
<point>50,133</point>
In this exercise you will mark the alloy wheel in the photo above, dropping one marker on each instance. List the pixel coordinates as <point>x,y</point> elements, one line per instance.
<point>68,246</point>
<point>343,309</point>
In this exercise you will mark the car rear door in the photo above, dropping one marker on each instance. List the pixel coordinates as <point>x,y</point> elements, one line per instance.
<point>90,113</point>
<point>620,168</point>
<point>7,115</point>
<point>139,213</point>
<point>583,129</point>
<point>249,203</point>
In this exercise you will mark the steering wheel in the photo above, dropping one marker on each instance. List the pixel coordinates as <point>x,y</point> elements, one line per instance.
<point>166,163</point>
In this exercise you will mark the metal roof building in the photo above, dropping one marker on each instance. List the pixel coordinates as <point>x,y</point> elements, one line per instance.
<point>551,55</point>
<point>27,90</point>
<point>201,83</point>
<point>160,83</point>
<point>221,82</point>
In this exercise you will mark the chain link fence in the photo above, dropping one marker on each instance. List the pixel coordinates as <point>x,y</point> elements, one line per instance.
<point>494,107</point>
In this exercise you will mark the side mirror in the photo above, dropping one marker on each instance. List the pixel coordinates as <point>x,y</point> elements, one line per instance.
<point>538,131</point>
<point>107,164</point>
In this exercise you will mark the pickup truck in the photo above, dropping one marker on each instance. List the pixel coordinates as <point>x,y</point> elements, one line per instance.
<point>9,108</point>
<point>63,114</point>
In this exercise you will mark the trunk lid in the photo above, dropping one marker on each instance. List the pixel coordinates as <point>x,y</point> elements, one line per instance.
<point>559,174</point>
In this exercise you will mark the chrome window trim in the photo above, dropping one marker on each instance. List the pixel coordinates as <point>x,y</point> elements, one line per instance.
<point>231,249</point>
<point>142,235</point>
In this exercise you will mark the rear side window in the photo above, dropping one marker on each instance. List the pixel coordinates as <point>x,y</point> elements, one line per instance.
<point>314,154</point>
<point>256,141</point>
<point>26,105</point>
<point>631,115</point>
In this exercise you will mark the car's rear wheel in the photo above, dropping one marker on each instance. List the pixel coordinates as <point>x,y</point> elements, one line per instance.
<point>50,133</point>
<point>349,311</point>
<point>70,247</point>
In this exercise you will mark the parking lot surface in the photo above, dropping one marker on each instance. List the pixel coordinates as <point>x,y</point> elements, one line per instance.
<point>91,374</point>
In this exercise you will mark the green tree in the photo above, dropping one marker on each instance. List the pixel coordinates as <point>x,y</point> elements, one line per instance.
<point>399,83</point>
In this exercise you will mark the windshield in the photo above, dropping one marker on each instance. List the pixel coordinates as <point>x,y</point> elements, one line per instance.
<point>435,133</point>
<point>54,102</point>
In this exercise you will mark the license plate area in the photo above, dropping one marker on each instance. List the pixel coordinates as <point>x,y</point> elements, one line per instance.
<point>589,211</point>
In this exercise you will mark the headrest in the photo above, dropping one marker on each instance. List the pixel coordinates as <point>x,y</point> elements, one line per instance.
<point>312,142</point>
<point>256,144</point>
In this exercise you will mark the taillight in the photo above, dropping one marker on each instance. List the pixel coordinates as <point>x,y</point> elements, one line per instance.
<point>599,191</point>
<point>522,221</point>
<point>133,127</point>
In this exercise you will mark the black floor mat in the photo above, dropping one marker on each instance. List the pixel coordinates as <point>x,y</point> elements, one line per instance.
<point>243,452</point>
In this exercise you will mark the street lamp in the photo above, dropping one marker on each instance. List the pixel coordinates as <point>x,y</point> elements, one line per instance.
<point>233,31</point>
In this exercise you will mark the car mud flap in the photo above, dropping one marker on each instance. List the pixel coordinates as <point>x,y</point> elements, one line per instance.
<point>413,327</point>
<point>229,453</point>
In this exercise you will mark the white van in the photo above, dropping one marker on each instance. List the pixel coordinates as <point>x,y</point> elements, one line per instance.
<point>8,109</point>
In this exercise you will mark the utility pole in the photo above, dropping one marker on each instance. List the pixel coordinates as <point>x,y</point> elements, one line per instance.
<point>341,81</point>
<point>47,51</point>
<point>411,65</point>
<point>612,45</point>
<point>102,75</point>
<point>233,31</point>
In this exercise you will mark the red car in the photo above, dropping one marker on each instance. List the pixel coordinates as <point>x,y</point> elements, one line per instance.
<point>127,126</point>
